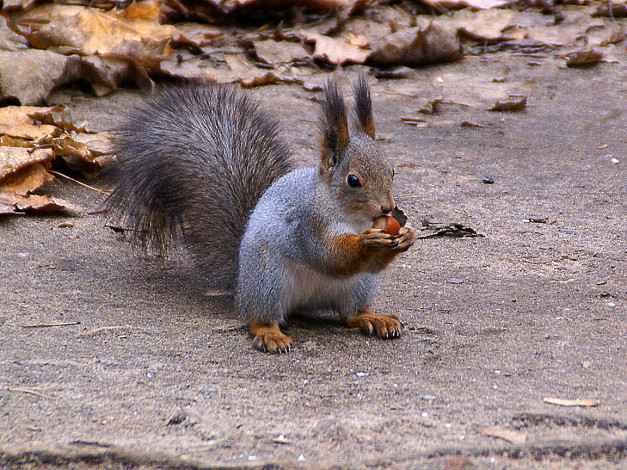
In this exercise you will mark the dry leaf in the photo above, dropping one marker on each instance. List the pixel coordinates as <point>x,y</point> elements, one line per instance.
<point>239,6</point>
<point>513,103</point>
<point>280,52</point>
<point>612,9</point>
<point>475,4</point>
<point>99,144</point>
<point>16,115</point>
<point>6,208</point>
<point>583,58</point>
<point>266,78</point>
<point>40,204</point>
<point>8,141</point>
<point>9,40</point>
<point>416,46</point>
<point>484,26</point>
<point>55,116</point>
<point>13,159</point>
<point>567,402</point>
<point>416,122</point>
<point>16,122</point>
<point>26,180</point>
<point>200,34</point>
<point>106,72</point>
<point>429,106</point>
<point>337,51</point>
<point>17,4</point>
<point>358,40</point>
<point>508,435</point>
<point>30,75</point>
<point>134,32</point>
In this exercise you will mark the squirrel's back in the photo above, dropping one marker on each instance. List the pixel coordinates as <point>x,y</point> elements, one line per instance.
<point>193,162</point>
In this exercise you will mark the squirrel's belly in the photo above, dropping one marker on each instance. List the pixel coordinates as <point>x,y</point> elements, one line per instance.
<point>313,290</point>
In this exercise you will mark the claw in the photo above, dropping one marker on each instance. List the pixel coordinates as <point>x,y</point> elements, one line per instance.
<point>384,326</point>
<point>269,339</point>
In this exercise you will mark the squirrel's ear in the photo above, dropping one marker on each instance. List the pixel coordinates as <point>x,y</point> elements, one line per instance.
<point>363,107</point>
<point>334,126</point>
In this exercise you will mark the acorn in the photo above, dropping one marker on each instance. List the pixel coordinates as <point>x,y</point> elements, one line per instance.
<point>387,223</point>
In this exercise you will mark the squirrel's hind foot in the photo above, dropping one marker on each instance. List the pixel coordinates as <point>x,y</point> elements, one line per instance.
<point>384,326</point>
<point>269,338</point>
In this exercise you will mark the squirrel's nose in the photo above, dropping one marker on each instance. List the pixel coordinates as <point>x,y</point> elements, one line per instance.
<point>388,206</point>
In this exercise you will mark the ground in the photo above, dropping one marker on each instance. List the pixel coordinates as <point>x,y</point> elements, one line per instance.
<point>158,374</point>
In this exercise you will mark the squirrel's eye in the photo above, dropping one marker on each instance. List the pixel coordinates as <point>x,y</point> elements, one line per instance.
<point>353,181</point>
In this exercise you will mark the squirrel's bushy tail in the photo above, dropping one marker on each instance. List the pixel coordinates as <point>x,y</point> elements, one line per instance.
<point>193,162</point>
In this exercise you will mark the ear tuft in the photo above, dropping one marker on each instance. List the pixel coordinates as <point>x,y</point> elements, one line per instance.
<point>334,126</point>
<point>363,107</point>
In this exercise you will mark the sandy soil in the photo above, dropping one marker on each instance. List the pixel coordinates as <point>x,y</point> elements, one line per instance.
<point>156,374</point>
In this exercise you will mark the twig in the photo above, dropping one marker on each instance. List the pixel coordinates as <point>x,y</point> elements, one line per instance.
<point>48,325</point>
<point>98,190</point>
<point>32,391</point>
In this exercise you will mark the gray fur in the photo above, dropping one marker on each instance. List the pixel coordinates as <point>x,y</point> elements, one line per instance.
<point>203,163</point>
<point>194,161</point>
<point>282,267</point>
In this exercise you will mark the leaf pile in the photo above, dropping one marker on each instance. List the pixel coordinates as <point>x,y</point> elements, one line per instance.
<point>108,44</point>
<point>31,138</point>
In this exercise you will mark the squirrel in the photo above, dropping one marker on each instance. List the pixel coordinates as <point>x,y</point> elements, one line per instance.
<point>204,164</point>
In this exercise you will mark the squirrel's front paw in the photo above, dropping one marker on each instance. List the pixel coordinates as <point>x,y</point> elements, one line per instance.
<point>268,338</point>
<point>376,239</point>
<point>406,237</point>
<point>384,326</point>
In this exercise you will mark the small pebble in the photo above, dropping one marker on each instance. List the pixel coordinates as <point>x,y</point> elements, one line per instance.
<point>487,180</point>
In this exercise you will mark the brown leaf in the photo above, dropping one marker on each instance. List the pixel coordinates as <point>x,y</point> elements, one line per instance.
<point>238,6</point>
<point>99,144</point>
<point>40,204</point>
<point>26,180</point>
<point>280,52</point>
<point>612,10</point>
<point>8,141</point>
<point>508,435</point>
<point>483,25</point>
<point>583,58</point>
<point>9,40</point>
<point>358,40</point>
<point>474,4</point>
<point>13,159</point>
<point>16,115</point>
<point>134,32</point>
<point>200,34</point>
<point>568,402</point>
<point>429,105</point>
<point>337,51</point>
<point>5,207</point>
<point>416,46</point>
<point>17,4</point>
<point>513,103</point>
<point>266,78</point>
<point>30,75</point>
<point>16,122</point>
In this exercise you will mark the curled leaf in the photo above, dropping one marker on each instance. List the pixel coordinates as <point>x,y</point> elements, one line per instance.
<point>583,58</point>
<point>513,103</point>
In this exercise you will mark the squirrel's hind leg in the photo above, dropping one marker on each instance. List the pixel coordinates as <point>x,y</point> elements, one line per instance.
<point>269,338</point>
<point>356,311</point>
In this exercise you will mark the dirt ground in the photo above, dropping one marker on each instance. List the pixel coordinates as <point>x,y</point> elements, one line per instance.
<point>155,373</point>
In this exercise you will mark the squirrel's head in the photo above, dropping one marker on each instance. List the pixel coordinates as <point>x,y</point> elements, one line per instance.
<point>352,164</point>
